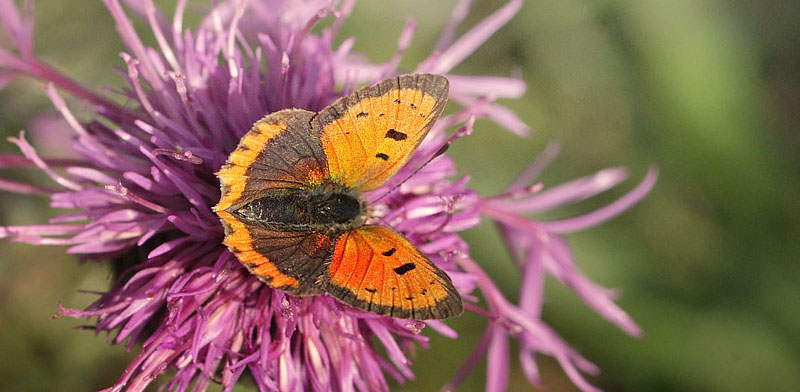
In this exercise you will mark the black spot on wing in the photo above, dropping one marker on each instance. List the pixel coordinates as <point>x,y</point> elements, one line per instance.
<point>404,268</point>
<point>362,114</point>
<point>371,290</point>
<point>382,156</point>
<point>389,252</point>
<point>393,134</point>
<point>397,101</point>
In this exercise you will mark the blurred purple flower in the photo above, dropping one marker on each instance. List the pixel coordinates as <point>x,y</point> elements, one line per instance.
<point>144,186</point>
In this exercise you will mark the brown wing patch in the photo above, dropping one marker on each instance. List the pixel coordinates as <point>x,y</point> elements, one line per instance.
<point>280,151</point>
<point>377,270</point>
<point>369,135</point>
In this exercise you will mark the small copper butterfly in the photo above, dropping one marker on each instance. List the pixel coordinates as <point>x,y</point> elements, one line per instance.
<point>293,210</point>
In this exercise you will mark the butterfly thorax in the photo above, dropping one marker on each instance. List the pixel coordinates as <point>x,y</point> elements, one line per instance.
<point>319,209</point>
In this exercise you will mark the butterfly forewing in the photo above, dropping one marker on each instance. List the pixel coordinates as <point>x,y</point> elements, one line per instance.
<point>369,135</point>
<point>280,151</point>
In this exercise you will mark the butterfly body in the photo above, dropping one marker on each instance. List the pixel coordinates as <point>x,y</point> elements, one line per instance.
<point>293,210</point>
<point>330,209</point>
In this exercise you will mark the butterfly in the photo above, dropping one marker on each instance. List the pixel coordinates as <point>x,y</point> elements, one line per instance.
<point>293,209</point>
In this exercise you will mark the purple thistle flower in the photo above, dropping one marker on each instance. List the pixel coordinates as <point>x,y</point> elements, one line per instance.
<point>144,186</point>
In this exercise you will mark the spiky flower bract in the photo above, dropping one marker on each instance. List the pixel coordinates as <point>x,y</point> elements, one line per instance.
<point>144,186</point>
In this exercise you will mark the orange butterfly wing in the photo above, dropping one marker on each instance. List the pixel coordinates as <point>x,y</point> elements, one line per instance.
<point>377,270</point>
<point>370,134</point>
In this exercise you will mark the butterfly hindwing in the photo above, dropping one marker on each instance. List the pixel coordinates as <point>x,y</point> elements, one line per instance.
<point>280,151</point>
<point>375,269</point>
<point>286,260</point>
<point>370,134</point>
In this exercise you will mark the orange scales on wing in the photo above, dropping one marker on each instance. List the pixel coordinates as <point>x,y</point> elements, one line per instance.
<point>232,176</point>
<point>386,274</point>
<point>239,240</point>
<point>375,136</point>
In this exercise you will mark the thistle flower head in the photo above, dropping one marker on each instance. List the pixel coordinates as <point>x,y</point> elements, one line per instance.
<point>144,185</point>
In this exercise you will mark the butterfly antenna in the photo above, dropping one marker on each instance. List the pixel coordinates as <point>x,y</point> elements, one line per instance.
<point>439,152</point>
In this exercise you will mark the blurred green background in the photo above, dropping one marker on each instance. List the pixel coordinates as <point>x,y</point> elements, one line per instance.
<point>707,263</point>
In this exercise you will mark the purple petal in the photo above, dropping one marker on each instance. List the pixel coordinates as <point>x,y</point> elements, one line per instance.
<point>603,214</point>
<point>460,11</point>
<point>598,298</point>
<point>31,154</point>
<point>132,41</point>
<point>474,38</point>
<point>571,192</point>
<point>470,363</point>
<point>495,86</point>
<point>540,163</point>
<point>19,27</point>
<point>18,187</point>
<point>497,361</point>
